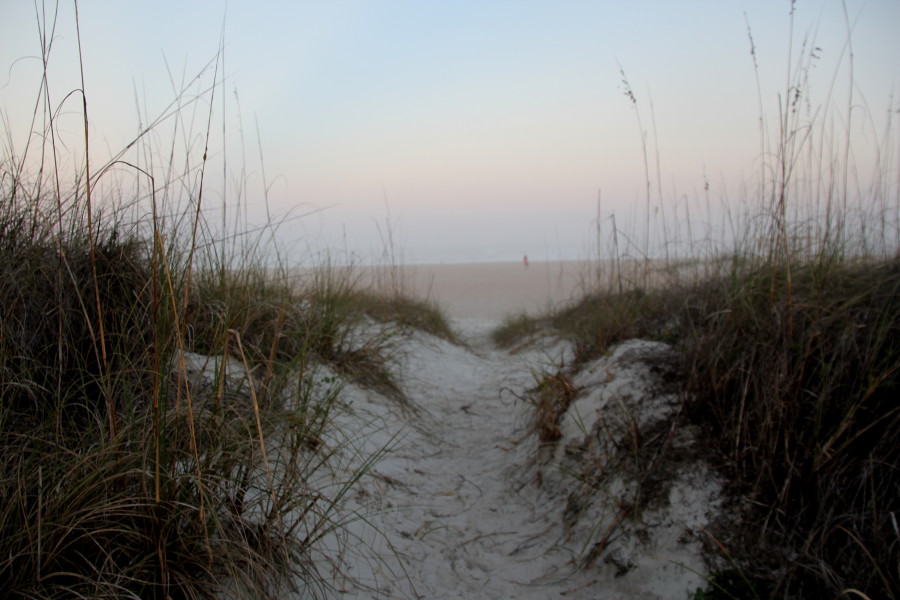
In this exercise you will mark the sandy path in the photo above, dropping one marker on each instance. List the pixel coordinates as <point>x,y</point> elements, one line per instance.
<point>453,507</point>
<point>452,515</point>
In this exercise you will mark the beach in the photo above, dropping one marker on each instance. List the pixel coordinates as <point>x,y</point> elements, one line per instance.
<point>489,291</point>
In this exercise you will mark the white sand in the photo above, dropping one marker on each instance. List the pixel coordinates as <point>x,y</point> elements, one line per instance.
<point>453,509</point>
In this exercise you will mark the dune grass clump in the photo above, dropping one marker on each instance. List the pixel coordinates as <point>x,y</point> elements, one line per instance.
<point>786,335</point>
<point>617,302</point>
<point>405,311</point>
<point>515,328</point>
<point>791,370</point>
<point>128,469</point>
<point>158,440</point>
<point>166,393</point>
<point>328,314</point>
<point>278,321</point>
<point>49,324</point>
<point>597,320</point>
<point>797,392</point>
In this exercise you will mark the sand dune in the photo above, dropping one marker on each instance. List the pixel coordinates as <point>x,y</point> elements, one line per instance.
<point>466,503</point>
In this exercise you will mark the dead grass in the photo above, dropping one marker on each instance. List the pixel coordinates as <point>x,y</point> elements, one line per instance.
<point>551,399</point>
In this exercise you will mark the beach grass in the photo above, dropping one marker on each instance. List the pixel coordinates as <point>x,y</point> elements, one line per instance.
<point>785,331</point>
<point>167,392</point>
<point>790,368</point>
<point>167,387</point>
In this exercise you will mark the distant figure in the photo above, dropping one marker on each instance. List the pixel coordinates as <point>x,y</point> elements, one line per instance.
<point>525,261</point>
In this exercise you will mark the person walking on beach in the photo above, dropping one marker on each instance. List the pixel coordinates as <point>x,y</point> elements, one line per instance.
<point>525,261</point>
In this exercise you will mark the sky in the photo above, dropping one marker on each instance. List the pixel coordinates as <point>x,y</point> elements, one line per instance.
<point>464,130</point>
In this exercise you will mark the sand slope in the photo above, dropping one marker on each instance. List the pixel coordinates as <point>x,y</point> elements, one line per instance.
<point>463,504</point>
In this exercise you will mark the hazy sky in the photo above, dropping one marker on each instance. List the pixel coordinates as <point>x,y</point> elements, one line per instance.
<point>487,127</point>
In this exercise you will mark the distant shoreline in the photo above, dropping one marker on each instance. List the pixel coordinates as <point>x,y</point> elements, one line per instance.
<point>481,290</point>
<point>484,290</point>
<point>498,289</point>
